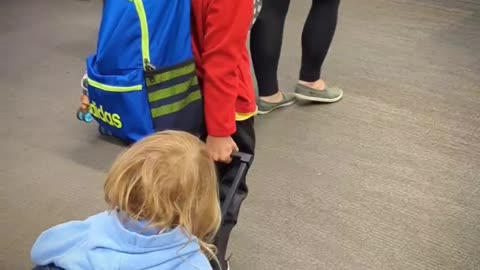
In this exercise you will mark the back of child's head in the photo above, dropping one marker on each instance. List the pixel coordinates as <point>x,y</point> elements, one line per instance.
<point>169,180</point>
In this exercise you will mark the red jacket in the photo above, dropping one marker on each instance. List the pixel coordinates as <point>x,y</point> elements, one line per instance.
<point>220,30</point>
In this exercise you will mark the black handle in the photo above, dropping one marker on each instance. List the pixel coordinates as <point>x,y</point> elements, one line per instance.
<point>245,162</point>
<point>243,157</point>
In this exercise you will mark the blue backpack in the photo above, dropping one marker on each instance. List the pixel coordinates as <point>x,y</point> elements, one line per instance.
<point>142,78</point>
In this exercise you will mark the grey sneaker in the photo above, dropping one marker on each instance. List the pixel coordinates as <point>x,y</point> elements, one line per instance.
<point>329,95</point>
<point>265,107</point>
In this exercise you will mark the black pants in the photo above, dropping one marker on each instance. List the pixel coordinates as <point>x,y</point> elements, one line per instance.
<point>267,34</point>
<point>245,139</point>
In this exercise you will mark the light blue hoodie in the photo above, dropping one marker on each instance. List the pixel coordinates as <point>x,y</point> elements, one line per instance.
<point>102,242</point>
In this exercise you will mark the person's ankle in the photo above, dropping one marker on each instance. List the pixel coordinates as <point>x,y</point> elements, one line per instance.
<point>317,85</point>
<point>275,98</point>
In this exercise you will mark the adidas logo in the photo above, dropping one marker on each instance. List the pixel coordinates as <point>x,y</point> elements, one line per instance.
<point>109,118</point>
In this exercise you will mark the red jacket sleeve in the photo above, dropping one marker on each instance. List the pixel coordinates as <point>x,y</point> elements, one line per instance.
<point>226,31</point>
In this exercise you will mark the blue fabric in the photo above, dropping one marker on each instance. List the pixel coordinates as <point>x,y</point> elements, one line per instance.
<point>105,242</point>
<point>119,47</point>
<point>119,62</point>
<point>170,35</point>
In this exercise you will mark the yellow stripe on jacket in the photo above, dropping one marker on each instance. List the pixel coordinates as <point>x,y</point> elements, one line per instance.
<point>245,116</point>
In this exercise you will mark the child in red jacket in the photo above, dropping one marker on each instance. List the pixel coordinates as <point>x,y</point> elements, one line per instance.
<point>220,30</point>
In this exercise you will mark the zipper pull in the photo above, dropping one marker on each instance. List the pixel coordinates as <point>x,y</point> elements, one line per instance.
<point>148,66</point>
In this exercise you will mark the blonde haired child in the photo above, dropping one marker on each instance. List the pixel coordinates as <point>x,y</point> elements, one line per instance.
<point>164,212</point>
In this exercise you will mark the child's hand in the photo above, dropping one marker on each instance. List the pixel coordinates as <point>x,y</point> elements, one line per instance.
<point>221,148</point>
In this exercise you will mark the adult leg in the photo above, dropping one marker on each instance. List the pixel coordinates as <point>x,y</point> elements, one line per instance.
<point>245,139</point>
<point>266,43</point>
<point>317,36</point>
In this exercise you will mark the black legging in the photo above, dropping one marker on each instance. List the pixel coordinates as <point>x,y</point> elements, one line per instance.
<point>267,34</point>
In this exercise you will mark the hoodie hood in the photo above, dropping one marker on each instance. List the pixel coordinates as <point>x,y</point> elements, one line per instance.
<point>110,241</point>
<point>140,247</point>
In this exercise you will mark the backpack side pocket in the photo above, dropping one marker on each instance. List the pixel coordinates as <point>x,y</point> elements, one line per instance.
<point>119,103</point>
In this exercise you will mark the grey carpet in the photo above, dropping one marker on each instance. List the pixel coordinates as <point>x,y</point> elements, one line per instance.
<point>386,179</point>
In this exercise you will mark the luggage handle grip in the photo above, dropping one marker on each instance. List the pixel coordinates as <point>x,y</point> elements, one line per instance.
<point>245,162</point>
<point>243,157</point>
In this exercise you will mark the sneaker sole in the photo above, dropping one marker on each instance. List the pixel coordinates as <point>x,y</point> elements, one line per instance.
<point>277,107</point>
<point>317,99</point>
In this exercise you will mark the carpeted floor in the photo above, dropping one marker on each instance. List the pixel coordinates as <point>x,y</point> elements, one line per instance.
<point>387,179</point>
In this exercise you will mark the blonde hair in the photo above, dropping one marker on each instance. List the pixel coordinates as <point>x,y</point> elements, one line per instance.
<point>169,180</point>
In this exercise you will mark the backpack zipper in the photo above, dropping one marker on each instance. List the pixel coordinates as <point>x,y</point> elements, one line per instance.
<point>142,16</point>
